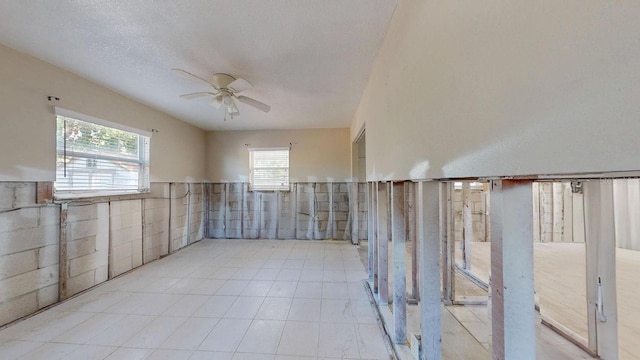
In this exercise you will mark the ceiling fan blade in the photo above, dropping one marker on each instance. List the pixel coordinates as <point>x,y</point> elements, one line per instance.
<point>239,85</point>
<point>255,103</point>
<point>192,76</point>
<point>197,95</point>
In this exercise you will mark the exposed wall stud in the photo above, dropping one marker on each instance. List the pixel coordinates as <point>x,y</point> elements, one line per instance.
<point>398,234</point>
<point>383,243</point>
<point>428,234</point>
<point>601,268</point>
<point>512,298</point>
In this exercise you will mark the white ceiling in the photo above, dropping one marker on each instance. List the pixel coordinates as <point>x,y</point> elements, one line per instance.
<point>309,59</point>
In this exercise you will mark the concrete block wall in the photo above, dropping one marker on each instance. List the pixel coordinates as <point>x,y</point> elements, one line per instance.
<point>125,227</point>
<point>307,211</point>
<point>155,229</point>
<point>479,198</point>
<point>87,245</point>
<point>196,212</point>
<point>103,237</point>
<point>179,234</point>
<point>28,252</point>
<point>363,206</point>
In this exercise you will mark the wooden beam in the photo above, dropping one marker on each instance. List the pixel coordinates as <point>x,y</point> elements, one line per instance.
<point>410,218</point>
<point>370,232</point>
<point>601,268</point>
<point>447,243</point>
<point>62,256</point>
<point>355,234</point>
<point>512,292</point>
<point>383,243</point>
<point>398,238</point>
<point>428,234</point>
<point>467,225</point>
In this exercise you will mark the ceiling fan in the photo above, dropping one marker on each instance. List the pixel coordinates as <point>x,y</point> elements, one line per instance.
<point>226,87</point>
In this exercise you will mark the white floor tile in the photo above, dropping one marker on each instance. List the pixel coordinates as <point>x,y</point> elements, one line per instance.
<point>257,288</point>
<point>186,305</point>
<point>226,335</point>
<point>211,355</point>
<point>309,290</point>
<point>299,338</point>
<point>190,335</point>
<point>338,340</point>
<point>216,306</point>
<point>129,354</point>
<point>305,310</point>
<point>245,307</point>
<point>121,331</point>
<point>151,336</point>
<point>263,336</point>
<point>13,349</point>
<point>274,308</point>
<point>90,352</point>
<point>163,354</point>
<point>50,351</point>
<point>283,289</point>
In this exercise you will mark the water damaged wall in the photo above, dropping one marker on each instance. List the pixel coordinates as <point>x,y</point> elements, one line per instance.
<point>315,211</point>
<point>51,251</point>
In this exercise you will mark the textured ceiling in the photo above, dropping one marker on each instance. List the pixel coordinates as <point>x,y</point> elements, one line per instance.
<point>309,59</point>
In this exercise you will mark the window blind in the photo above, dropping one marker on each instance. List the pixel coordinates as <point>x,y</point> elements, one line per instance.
<point>269,169</point>
<point>97,159</point>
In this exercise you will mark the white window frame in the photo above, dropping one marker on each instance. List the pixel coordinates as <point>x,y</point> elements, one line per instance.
<point>142,161</point>
<point>283,187</point>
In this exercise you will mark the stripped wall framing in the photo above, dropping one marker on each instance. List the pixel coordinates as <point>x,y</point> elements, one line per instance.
<point>307,211</point>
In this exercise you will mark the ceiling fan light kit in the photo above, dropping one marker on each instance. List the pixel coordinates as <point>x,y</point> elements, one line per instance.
<point>226,87</point>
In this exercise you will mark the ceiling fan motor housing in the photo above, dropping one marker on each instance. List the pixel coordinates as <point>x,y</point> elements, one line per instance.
<point>222,81</point>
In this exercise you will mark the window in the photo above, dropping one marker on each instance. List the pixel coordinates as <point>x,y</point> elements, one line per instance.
<point>96,157</point>
<point>269,169</point>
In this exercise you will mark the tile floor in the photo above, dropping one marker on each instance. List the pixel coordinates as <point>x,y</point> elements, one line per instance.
<point>218,299</point>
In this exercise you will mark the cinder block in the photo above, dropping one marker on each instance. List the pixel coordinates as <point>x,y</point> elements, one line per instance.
<point>20,219</point>
<point>18,263</point>
<point>49,215</point>
<point>81,229</point>
<point>47,295</point>
<point>18,307</point>
<point>48,255</point>
<point>25,239</point>
<point>88,262</point>
<point>82,213</point>
<point>25,194</point>
<point>27,282</point>
<point>79,283</point>
<point>81,247</point>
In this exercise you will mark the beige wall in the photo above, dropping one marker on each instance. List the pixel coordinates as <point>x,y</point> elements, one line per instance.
<point>316,154</point>
<point>495,88</point>
<point>27,122</point>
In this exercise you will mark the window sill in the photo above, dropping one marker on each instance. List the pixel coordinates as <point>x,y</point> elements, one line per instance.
<point>66,196</point>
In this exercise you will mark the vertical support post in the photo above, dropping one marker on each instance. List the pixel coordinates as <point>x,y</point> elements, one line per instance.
<point>429,238</point>
<point>370,232</point>
<point>398,234</point>
<point>62,256</point>
<point>447,276</point>
<point>467,225</point>
<point>450,251</point>
<point>512,296</point>
<point>601,268</point>
<point>225,209</point>
<point>410,219</point>
<point>374,211</point>
<point>355,237</point>
<point>383,244</point>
